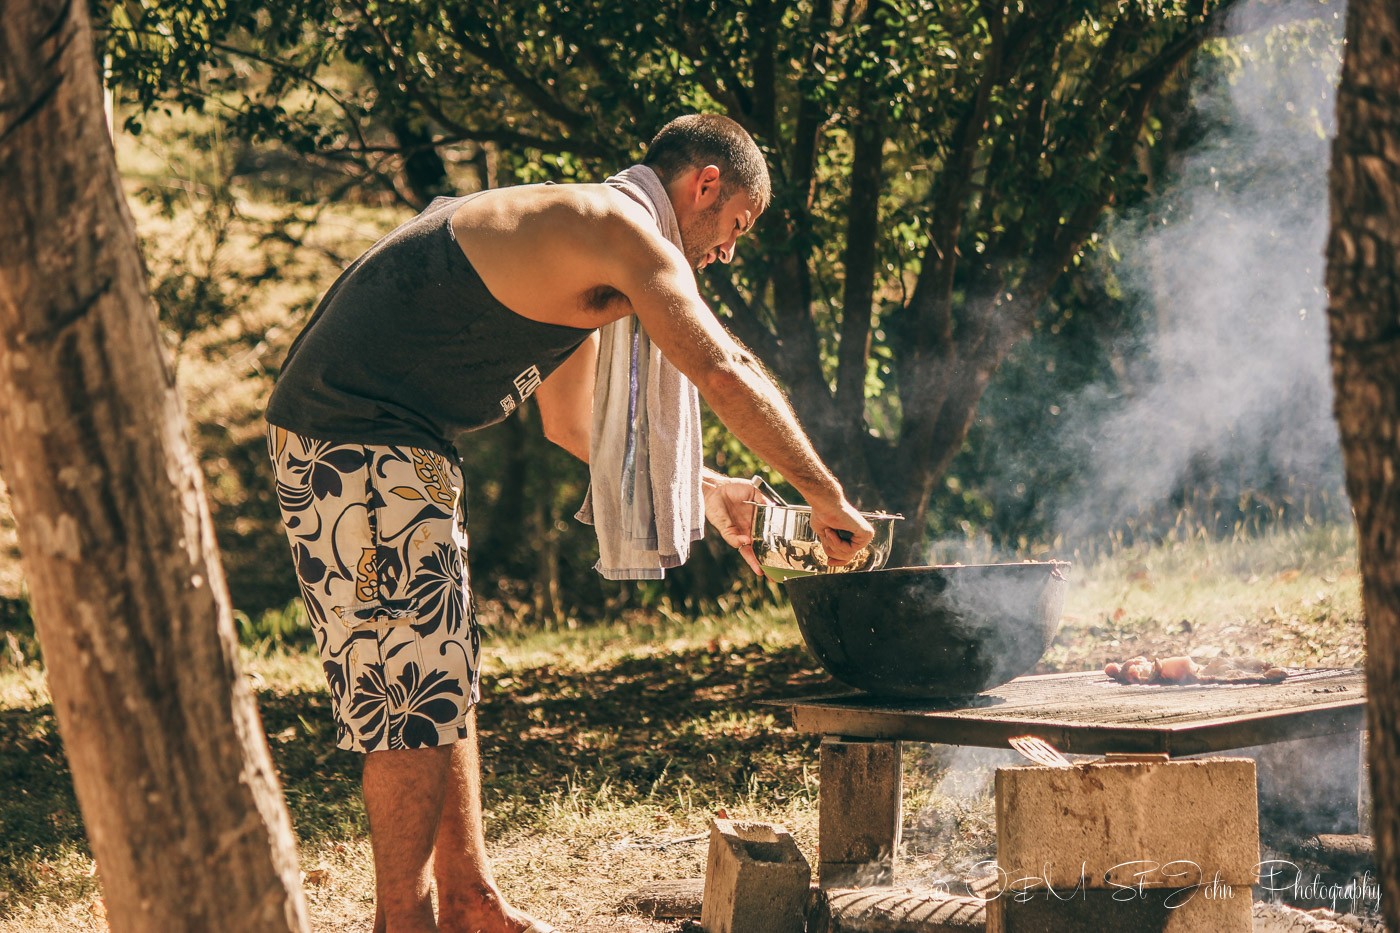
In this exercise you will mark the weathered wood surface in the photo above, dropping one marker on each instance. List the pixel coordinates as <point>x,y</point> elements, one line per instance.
<point>667,900</point>
<point>1355,850</point>
<point>172,772</point>
<point>1088,713</point>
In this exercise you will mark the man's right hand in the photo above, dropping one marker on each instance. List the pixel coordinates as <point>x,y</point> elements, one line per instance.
<point>842,530</point>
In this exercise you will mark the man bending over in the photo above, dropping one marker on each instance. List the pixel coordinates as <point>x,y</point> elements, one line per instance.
<point>443,327</point>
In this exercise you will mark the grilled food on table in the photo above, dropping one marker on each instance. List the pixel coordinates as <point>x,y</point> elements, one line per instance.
<point>1184,670</point>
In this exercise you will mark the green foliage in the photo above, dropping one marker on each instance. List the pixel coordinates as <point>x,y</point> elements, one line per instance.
<point>937,166</point>
<point>1029,458</point>
<point>286,627</point>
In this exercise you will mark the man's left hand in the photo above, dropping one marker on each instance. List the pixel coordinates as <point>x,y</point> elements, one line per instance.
<point>729,507</point>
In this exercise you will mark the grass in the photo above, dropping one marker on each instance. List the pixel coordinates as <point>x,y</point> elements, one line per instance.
<point>1293,596</point>
<point>607,747</point>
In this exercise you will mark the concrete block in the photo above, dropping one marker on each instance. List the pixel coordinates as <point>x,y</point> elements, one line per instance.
<point>859,823</point>
<point>1102,825</point>
<point>756,880</point>
<point>1209,909</point>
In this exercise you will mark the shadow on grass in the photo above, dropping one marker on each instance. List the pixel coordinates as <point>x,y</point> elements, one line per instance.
<point>644,728</point>
<point>646,724</point>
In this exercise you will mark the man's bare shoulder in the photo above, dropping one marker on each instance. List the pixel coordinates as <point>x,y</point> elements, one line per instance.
<point>593,217</point>
<point>604,215</point>
<point>566,254</point>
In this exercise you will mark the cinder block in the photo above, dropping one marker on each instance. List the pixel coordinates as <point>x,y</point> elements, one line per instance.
<point>756,880</point>
<point>858,835</point>
<point>1209,909</point>
<point>1107,825</point>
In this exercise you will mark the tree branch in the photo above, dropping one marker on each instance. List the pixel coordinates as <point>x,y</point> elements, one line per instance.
<point>810,116</point>
<point>694,46</point>
<point>927,320</point>
<point>491,53</point>
<point>791,276</point>
<point>767,17</point>
<point>618,81</point>
<point>277,64</point>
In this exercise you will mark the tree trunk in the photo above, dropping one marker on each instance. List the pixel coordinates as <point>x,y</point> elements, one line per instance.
<point>1363,269</point>
<point>424,173</point>
<point>172,772</point>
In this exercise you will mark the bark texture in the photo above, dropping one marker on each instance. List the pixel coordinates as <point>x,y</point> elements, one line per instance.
<point>1363,279</point>
<point>172,771</point>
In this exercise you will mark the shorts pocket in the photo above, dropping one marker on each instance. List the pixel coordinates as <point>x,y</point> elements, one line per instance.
<point>379,613</point>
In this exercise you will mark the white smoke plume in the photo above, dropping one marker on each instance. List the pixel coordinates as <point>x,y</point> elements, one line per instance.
<point>1231,258</point>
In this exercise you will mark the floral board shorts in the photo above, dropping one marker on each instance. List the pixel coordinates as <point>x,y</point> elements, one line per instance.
<point>381,557</point>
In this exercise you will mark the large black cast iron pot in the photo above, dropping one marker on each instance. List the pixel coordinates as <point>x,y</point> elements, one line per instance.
<point>929,632</point>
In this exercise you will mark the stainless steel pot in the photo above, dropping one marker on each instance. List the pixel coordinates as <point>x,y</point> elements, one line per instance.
<point>787,547</point>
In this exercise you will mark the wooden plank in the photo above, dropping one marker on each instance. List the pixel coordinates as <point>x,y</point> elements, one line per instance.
<point>1092,696</point>
<point>1086,713</point>
<point>1078,738</point>
<point>1092,693</point>
<point>668,900</point>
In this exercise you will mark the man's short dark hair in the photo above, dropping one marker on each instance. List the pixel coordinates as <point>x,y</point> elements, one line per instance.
<point>702,139</point>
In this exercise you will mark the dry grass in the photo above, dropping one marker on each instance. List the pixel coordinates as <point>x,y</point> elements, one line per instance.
<point>1292,597</point>
<point>606,747</point>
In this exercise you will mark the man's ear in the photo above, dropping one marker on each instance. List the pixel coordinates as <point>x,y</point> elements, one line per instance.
<point>707,186</point>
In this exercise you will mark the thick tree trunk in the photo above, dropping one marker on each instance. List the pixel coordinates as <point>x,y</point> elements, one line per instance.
<point>172,772</point>
<point>1363,278</point>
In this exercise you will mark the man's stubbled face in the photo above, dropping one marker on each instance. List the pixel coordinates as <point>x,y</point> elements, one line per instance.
<point>710,234</point>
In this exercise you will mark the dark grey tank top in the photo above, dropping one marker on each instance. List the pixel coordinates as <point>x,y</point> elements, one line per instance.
<point>409,347</point>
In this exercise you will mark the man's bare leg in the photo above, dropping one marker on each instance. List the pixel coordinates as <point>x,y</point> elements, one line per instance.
<point>468,900</point>
<point>404,791</point>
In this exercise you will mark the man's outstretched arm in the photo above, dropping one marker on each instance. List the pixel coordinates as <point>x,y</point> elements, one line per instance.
<point>566,410</point>
<point>653,275</point>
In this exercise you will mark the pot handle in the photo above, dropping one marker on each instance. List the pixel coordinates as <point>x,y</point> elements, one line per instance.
<point>762,486</point>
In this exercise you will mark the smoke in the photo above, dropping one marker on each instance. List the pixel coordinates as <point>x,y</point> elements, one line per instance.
<point>952,835</point>
<point>1232,383</point>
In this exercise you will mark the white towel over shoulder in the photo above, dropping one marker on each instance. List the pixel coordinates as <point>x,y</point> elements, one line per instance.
<point>644,494</point>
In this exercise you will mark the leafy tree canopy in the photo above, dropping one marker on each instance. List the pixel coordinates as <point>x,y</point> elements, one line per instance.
<point>936,165</point>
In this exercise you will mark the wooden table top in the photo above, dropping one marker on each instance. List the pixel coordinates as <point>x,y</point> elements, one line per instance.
<point>1089,713</point>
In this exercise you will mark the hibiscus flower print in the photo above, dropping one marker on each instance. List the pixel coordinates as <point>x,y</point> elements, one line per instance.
<point>369,705</point>
<point>326,465</point>
<point>423,706</point>
<point>431,469</point>
<point>436,588</point>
